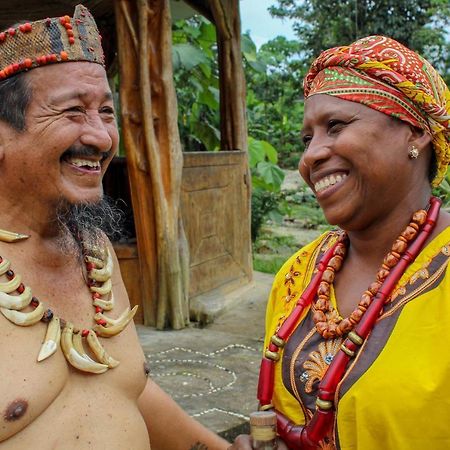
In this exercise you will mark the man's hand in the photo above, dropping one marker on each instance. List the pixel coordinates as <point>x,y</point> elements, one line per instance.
<point>244,442</point>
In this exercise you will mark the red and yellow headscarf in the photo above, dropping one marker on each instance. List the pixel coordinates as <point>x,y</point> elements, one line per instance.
<point>384,75</point>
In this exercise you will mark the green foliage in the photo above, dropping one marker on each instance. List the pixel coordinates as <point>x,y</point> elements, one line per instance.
<point>274,105</point>
<point>271,264</point>
<point>266,181</point>
<point>443,191</point>
<point>194,57</point>
<point>419,24</point>
<point>263,202</point>
<point>271,251</point>
<point>196,80</point>
<point>263,165</point>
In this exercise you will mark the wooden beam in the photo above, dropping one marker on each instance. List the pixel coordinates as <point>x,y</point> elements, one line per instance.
<point>233,124</point>
<point>153,148</point>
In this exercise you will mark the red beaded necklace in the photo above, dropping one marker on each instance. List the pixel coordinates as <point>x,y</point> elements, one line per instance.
<point>308,437</point>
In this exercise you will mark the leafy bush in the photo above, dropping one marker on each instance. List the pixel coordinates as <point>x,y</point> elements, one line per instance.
<point>267,178</point>
<point>443,191</point>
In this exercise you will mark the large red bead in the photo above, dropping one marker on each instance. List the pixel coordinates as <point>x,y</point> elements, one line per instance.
<point>266,380</point>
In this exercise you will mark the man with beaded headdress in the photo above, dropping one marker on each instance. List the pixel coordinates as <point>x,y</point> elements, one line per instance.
<point>355,354</point>
<point>72,370</point>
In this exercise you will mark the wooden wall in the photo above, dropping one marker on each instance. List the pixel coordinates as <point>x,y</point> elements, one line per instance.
<point>214,207</point>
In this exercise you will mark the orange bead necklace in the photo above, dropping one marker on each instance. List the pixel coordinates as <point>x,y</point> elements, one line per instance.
<point>329,323</point>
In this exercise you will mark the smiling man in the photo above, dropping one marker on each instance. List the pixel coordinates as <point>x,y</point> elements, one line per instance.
<point>71,361</point>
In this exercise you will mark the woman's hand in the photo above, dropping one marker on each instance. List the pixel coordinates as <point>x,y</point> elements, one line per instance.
<point>244,442</point>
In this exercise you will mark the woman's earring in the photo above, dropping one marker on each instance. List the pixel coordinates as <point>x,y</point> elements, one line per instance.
<point>413,152</point>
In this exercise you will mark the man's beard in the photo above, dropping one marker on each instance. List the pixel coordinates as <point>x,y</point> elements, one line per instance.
<point>88,225</point>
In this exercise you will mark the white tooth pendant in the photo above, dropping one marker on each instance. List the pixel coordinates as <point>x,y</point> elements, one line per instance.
<point>12,284</point>
<point>16,302</point>
<point>76,359</point>
<point>9,236</point>
<point>119,324</point>
<point>25,319</point>
<point>106,305</point>
<point>99,352</point>
<point>51,341</point>
<point>104,272</point>
<point>104,289</point>
<point>4,266</point>
<point>78,346</point>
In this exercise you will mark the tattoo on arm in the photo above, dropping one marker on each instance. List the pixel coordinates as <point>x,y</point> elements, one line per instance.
<point>199,446</point>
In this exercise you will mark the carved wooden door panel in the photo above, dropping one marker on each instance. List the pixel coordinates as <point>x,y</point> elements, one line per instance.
<point>216,214</point>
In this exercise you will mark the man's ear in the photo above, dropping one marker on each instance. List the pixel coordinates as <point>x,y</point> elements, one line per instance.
<point>7,136</point>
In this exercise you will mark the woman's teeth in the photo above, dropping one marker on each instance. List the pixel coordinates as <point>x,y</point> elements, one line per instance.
<point>328,181</point>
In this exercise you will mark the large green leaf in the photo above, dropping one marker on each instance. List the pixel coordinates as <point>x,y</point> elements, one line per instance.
<point>260,150</point>
<point>271,174</point>
<point>207,134</point>
<point>187,56</point>
<point>207,97</point>
<point>256,152</point>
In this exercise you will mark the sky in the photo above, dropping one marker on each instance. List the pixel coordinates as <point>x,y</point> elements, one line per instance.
<point>262,26</point>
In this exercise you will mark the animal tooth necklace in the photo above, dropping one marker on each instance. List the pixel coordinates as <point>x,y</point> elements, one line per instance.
<point>309,436</point>
<point>16,299</point>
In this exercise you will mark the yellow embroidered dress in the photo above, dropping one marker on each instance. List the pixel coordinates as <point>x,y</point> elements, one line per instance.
<point>396,392</point>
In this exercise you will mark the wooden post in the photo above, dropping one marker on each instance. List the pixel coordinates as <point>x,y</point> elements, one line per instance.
<point>154,157</point>
<point>233,121</point>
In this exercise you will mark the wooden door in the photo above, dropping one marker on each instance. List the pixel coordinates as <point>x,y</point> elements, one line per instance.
<point>216,216</point>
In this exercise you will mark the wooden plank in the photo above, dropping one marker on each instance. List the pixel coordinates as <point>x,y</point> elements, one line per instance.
<point>150,131</point>
<point>215,213</point>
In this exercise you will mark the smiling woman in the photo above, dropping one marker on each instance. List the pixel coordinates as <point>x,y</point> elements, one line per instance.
<point>355,350</point>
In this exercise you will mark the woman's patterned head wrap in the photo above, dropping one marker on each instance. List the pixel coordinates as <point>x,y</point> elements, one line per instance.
<point>384,75</point>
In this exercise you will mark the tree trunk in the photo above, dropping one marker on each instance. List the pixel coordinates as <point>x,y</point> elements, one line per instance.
<point>233,123</point>
<point>154,157</point>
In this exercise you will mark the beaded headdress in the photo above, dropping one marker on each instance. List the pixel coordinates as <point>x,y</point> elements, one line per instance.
<point>52,40</point>
<point>382,74</point>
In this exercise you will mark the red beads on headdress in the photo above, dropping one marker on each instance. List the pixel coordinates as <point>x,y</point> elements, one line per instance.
<point>25,27</point>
